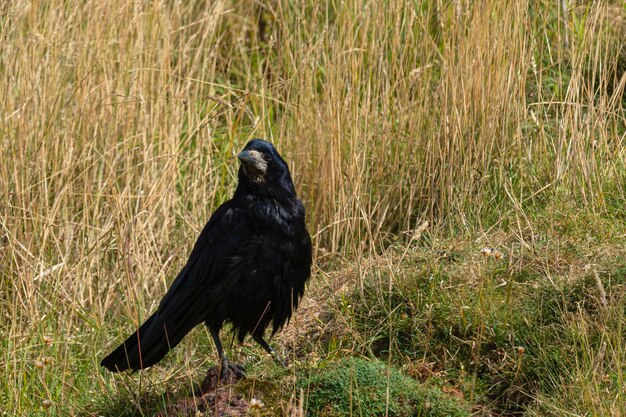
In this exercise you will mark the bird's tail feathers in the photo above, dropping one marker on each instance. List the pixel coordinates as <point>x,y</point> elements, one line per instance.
<point>144,347</point>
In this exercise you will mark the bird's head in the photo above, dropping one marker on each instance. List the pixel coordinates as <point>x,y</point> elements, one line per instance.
<point>263,169</point>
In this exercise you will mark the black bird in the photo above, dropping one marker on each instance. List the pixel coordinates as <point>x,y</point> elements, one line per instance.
<point>248,267</point>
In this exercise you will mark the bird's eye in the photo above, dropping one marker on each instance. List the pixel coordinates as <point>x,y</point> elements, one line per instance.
<point>267,156</point>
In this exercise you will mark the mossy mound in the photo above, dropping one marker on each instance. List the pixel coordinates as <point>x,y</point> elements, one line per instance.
<point>359,387</point>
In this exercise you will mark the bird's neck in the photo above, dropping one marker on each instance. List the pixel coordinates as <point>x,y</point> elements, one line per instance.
<point>269,211</point>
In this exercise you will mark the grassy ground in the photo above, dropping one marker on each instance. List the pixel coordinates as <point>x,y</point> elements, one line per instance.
<point>420,135</point>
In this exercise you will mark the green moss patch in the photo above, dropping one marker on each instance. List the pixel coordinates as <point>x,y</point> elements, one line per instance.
<point>359,387</point>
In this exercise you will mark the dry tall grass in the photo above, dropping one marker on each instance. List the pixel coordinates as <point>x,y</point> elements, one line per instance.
<point>121,119</point>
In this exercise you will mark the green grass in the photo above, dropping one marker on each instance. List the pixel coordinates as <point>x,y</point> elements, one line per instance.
<point>505,331</point>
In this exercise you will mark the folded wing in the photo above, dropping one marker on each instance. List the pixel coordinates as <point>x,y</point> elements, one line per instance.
<point>184,306</point>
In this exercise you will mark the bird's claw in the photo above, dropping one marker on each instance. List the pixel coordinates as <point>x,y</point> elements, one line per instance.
<point>237,370</point>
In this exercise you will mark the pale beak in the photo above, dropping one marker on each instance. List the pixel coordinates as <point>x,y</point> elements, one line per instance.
<point>253,163</point>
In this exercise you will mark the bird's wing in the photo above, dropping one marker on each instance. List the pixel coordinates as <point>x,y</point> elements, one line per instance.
<point>217,242</point>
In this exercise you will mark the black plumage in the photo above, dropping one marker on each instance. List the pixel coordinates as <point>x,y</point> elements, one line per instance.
<point>248,267</point>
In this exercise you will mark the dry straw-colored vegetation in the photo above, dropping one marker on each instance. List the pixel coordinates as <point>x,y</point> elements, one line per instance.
<point>120,121</point>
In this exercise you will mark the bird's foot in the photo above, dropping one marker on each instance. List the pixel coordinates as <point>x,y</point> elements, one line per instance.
<point>227,369</point>
<point>225,373</point>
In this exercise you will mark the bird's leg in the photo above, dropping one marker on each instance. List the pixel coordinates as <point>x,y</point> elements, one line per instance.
<point>225,364</point>
<point>258,337</point>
